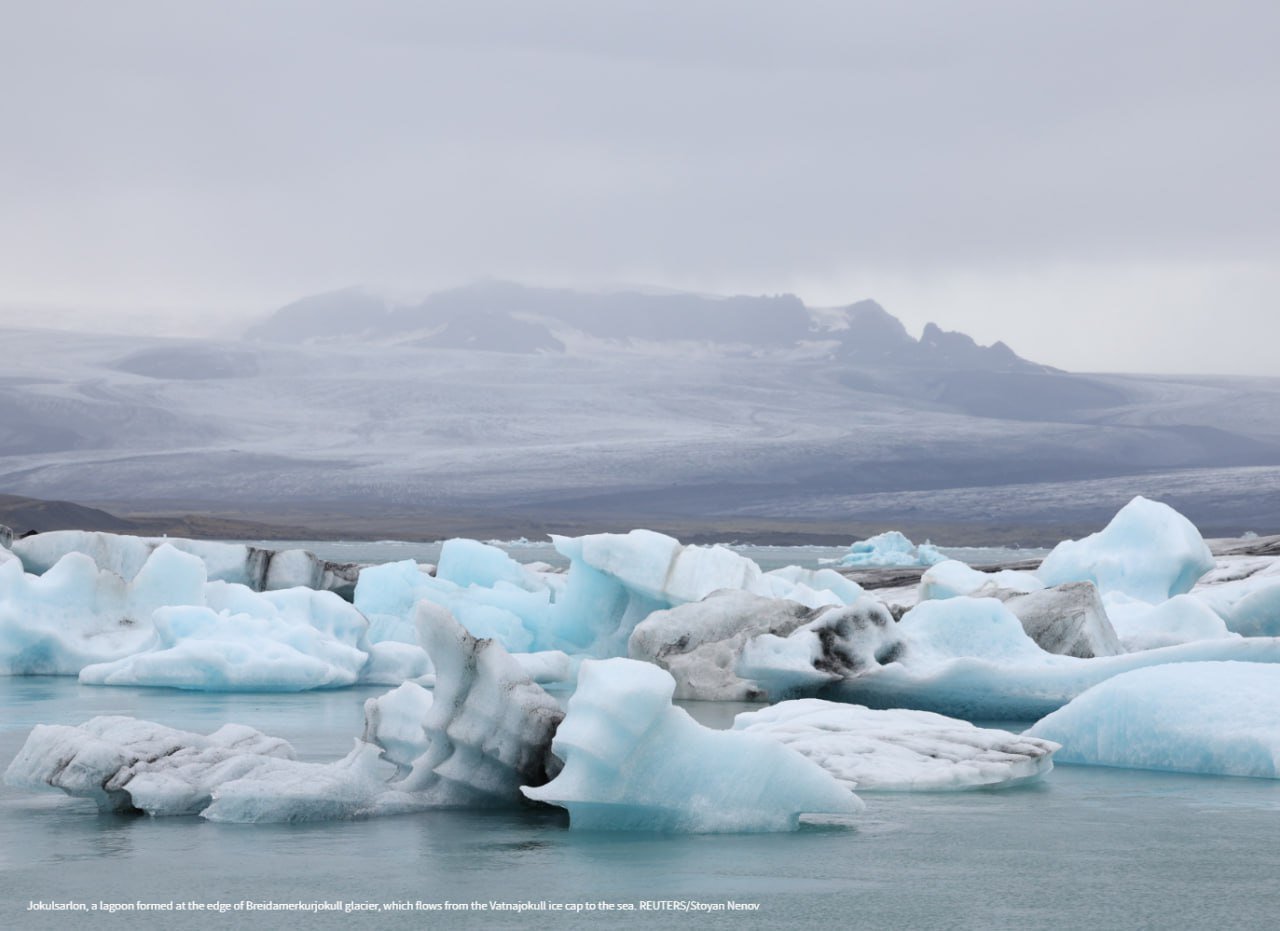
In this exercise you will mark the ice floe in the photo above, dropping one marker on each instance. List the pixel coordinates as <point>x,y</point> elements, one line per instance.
<point>1212,717</point>
<point>900,750</point>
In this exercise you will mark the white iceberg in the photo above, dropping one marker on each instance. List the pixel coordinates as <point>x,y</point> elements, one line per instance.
<point>1148,551</point>
<point>1212,717</point>
<point>900,750</point>
<point>257,568</point>
<point>635,762</point>
<point>122,763</point>
<point>953,579</point>
<point>891,549</point>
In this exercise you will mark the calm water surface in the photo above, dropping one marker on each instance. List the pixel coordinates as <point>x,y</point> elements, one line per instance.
<point>1087,848</point>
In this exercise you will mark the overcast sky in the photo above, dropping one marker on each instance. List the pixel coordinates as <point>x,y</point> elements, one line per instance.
<point>1096,184</point>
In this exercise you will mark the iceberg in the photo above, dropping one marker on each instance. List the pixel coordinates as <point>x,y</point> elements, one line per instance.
<point>891,549</point>
<point>900,750</point>
<point>1211,717</point>
<point>1181,619</point>
<point>614,581</point>
<point>633,761</point>
<point>970,658</point>
<point>124,764</point>
<point>953,579</point>
<point>1069,619</point>
<point>169,626</point>
<point>736,646</point>
<point>257,568</point>
<point>76,614</point>
<point>485,732</point>
<point>1148,551</point>
<point>198,648</point>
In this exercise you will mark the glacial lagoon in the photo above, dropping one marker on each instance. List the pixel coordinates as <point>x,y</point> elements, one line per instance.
<point>1085,847</point>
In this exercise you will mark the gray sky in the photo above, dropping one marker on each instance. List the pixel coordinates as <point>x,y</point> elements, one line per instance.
<point>1094,183</point>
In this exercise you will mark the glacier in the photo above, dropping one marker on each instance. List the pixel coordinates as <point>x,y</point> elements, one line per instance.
<point>1211,717</point>
<point>633,761</point>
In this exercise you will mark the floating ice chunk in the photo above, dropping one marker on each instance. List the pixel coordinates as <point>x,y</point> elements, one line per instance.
<point>122,763</point>
<point>1148,551</point>
<point>736,646</point>
<point>899,750</point>
<point>1069,619</point>
<point>468,562</point>
<point>700,643</point>
<point>839,643</point>
<point>891,549</point>
<point>391,663</point>
<point>970,658</point>
<point>952,578</point>
<point>489,727</point>
<point>76,614</point>
<point>353,787</point>
<point>1257,614</point>
<point>635,762</point>
<point>259,569</point>
<point>1181,619</point>
<point>1212,717</point>
<point>547,666</point>
<point>200,649</point>
<point>395,723</point>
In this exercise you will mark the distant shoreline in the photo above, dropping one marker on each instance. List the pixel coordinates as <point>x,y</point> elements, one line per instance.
<point>23,515</point>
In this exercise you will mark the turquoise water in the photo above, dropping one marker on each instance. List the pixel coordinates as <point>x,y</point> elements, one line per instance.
<point>1086,848</point>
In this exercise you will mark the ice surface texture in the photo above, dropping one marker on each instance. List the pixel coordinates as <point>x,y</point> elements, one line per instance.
<point>736,646</point>
<point>614,582</point>
<point>900,750</point>
<point>971,658</point>
<point>259,569</point>
<point>169,626</point>
<point>633,761</point>
<point>1193,717</point>
<point>1148,551</point>
<point>122,763</point>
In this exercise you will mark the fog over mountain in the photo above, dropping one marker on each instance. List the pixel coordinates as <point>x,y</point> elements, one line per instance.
<point>516,408</point>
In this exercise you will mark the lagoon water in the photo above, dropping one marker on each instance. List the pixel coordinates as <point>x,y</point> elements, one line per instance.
<point>1086,848</point>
